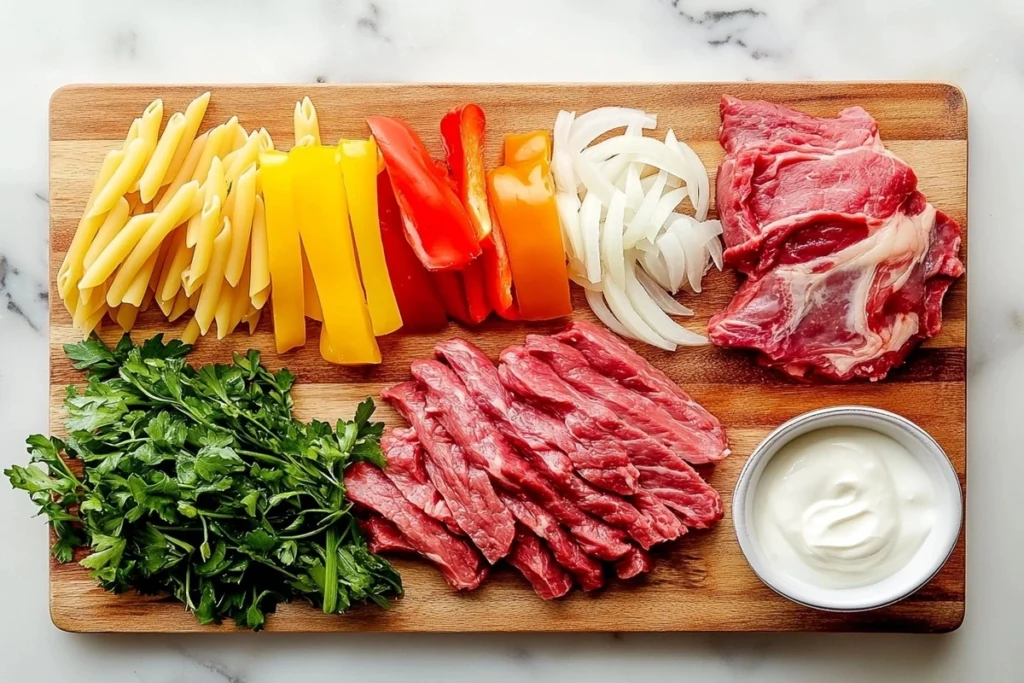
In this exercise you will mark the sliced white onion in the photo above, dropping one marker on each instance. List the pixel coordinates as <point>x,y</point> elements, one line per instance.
<point>611,239</point>
<point>637,228</point>
<point>655,265</point>
<point>634,192</point>
<point>595,123</point>
<point>590,229</point>
<point>693,246</point>
<point>583,282</point>
<point>647,150</point>
<point>568,204</point>
<point>660,296</point>
<point>673,255</point>
<point>595,299</point>
<point>625,312</point>
<point>703,185</point>
<point>666,205</point>
<point>658,321</point>
<point>594,179</point>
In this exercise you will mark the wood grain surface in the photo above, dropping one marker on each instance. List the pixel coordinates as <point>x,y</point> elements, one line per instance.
<point>702,581</point>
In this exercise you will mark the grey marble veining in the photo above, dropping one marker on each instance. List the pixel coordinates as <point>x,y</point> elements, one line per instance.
<point>978,45</point>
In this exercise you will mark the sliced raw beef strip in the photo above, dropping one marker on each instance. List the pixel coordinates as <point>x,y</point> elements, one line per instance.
<point>662,472</point>
<point>487,449</point>
<point>613,358</point>
<point>459,564</point>
<point>406,470</point>
<point>755,122</point>
<point>541,439</point>
<point>636,409</point>
<point>634,564</point>
<point>566,551</point>
<point>853,314</point>
<point>663,519</point>
<point>467,490</point>
<point>535,562</point>
<point>384,537</point>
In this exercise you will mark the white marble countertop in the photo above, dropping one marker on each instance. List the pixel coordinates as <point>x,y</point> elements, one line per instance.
<point>978,45</point>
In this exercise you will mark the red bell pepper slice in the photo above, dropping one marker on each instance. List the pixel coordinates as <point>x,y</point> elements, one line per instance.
<point>462,135</point>
<point>436,224</point>
<point>418,302</point>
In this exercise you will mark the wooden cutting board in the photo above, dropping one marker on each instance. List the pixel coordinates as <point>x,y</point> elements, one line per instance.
<point>700,582</point>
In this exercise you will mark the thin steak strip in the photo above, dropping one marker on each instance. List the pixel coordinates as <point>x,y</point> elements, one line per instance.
<point>467,490</point>
<point>662,472</point>
<point>487,449</point>
<point>535,562</point>
<point>406,470</point>
<point>459,563</point>
<point>634,564</point>
<point>384,537</point>
<point>567,552</point>
<point>544,441</point>
<point>692,445</point>
<point>613,358</point>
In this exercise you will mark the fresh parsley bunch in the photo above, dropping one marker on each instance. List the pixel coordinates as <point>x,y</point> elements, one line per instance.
<point>199,482</point>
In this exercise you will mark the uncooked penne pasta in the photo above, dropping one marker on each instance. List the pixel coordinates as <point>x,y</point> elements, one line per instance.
<point>306,141</point>
<point>137,287</point>
<point>187,170</point>
<point>117,186</point>
<point>206,233</point>
<point>236,163</point>
<point>211,291</point>
<point>71,267</point>
<point>119,249</point>
<point>177,260</point>
<point>133,134</point>
<point>252,319</point>
<point>161,158</point>
<point>166,221</point>
<point>191,332</point>
<point>306,122</point>
<point>147,300</point>
<point>92,323</point>
<point>88,309</point>
<point>111,226</point>
<point>259,257</point>
<point>266,142</point>
<point>240,303</point>
<point>244,193</point>
<point>194,114</point>
<point>125,316</point>
<point>215,185</point>
<point>215,147</point>
<point>181,305</point>
<point>239,136</point>
<point>149,132</point>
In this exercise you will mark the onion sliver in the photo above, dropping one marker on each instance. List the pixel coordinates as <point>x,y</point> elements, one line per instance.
<point>700,207</point>
<point>568,204</point>
<point>627,315</point>
<point>634,192</point>
<point>657,319</point>
<point>661,297</point>
<point>595,299</point>
<point>584,282</point>
<point>692,176</point>
<point>594,179</point>
<point>664,208</point>
<point>655,265</point>
<point>590,229</point>
<point>647,150</point>
<point>611,239</point>
<point>673,254</point>
<point>693,246</point>
<point>637,228</point>
<point>596,122</point>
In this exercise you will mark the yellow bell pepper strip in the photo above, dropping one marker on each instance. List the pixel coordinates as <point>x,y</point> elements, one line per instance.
<point>359,167</point>
<point>523,195</point>
<point>284,251</point>
<point>322,211</point>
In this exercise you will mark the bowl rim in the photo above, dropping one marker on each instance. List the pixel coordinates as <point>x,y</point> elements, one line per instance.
<point>786,432</point>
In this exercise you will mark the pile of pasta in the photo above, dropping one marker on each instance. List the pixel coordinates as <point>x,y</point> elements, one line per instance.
<point>177,218</point>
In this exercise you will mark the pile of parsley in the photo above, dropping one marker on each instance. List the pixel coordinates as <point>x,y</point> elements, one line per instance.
<point>198,482</point>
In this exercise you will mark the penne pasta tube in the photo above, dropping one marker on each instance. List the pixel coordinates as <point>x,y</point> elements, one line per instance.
<point>138,287</point>
<point>210,295</point>
<point>87,309</point>
<point>186,171</point>
<point>252,319</point>
<point>125,316</point>
<point>191,332</point>
<point>181,305</point>
<point>215,147</point>
<point>178,258</point>
<point>215,185</point>
<point>71,268</point>
<point>133,134</point>
<point>111,226</point>
<point>122,178</point>
<point>166,305</point>
<point>266,142</point>
<point>306,122</point>
<point>147,300</point>
<point>239,136</point>
<point>150,242</point>
<point>194,114</point>
<point>306,141</point>
<point>119,249</point>
<point>244,193</point>
<point>236,163</point>
<point>149,132</point>
<point>259,257</point>
<point>209,222</point>
<point>156,169</point>
<point>92,323</point>
<point>240,296</point>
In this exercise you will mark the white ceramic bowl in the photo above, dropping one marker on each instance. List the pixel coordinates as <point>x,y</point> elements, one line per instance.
<point>919,570</point>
